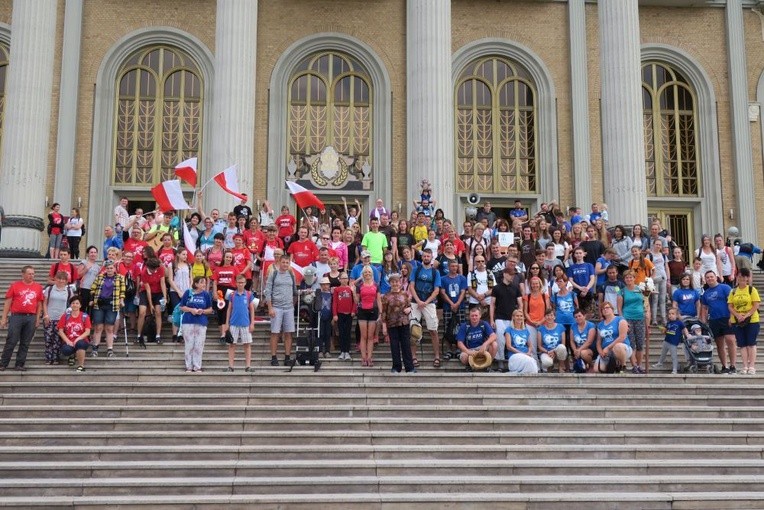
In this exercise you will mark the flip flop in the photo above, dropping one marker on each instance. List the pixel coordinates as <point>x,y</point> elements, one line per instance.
<point>436,363</point>
<point>416,362</point>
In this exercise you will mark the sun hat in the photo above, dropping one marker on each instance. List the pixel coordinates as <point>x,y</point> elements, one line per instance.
<point>415,330</point>
<point>480,360</point>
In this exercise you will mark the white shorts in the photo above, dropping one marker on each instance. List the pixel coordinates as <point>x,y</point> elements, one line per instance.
<point>283,321</point>
<point>241,334</point>
<point>629,352</point>
<point>429,313</point>
<point>520,363</point>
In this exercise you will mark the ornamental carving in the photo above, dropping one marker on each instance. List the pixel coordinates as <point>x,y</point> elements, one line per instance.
<point>330,170</point>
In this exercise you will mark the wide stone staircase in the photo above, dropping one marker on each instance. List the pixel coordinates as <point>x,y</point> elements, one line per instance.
<point>138,432</point>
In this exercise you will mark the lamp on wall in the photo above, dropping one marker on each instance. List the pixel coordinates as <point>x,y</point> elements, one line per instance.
<point>79,202</point>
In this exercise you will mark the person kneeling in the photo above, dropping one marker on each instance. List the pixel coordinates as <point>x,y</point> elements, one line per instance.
<point>74,330</point>
<point>475,336</point>
<point>612,341</point>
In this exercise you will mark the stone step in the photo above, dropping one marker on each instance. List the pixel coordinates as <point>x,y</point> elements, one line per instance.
<point>423,500</point>
<point>191,451</point>
<point>384,485</point>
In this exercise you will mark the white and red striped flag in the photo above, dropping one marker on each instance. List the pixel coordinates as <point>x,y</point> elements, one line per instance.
<point>229,182</point>
<point>169,196</point>
<point>188,241</point>
<point>303,197</point>
<point>297,270</point>
<point>186,171</point>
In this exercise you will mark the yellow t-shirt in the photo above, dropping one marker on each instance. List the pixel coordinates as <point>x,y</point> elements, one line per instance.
<point>200,270</point>
<point>742,300</point>
<point>419,232</point>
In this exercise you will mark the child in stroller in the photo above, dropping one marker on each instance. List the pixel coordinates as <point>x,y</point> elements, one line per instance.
<point>699,347</point>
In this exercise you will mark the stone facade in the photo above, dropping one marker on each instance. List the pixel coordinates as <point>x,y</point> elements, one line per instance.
<point>539,26</point>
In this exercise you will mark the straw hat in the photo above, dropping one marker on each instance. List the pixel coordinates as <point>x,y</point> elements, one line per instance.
<point>480,360</point>
<point>415,330</point>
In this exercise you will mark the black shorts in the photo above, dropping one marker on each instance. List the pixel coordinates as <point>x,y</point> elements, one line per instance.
<point>143,299</point>
<point>720,327</point>
<point>367,315</point>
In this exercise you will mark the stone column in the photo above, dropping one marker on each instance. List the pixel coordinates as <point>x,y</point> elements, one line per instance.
<point>66,139</point>
<point>27,126</point>
<point>623,151</point>
<point>741,134</point>
<point>429,101</point>
<point>233,102</point>
<point>579,91</point>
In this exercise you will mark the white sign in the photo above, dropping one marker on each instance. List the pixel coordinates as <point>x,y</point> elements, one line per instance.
<point>506,238</point>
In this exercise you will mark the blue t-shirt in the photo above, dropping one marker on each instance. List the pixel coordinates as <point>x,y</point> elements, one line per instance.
<point>686,300</point>
<point>202,300</point>
<point>715,298</point>
<point>564,306</point>
<point>551,338</point>
<point>454,286</point>
<point>581,336</point>
<point>581,273</point>
<point>425,279</point>
<point>609,332</point>
<point>520,339</point>
<point>474,336</point>
<point>355,273</point>
<point>240,308</point>
<point>326,305</point>
<point>633,304</point>
<point>674,332</point>
<point>602,277</point>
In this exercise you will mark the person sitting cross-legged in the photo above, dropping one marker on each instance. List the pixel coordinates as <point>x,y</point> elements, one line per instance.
<point>474,336</point>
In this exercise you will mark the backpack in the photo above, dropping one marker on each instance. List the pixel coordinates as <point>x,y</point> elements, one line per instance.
<point>490,280</point>
<point>83,316</point>
<point>416,274</point>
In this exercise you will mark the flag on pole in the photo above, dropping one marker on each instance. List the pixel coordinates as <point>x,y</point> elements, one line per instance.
<point>169,196</point>
<point>188,241</point>
<point>229,182</point>
<point>186,171</point>
<point>297,273</point>
<point>303,197</point>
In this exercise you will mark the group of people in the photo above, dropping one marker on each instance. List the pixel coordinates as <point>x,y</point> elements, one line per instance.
<point>532,291</point>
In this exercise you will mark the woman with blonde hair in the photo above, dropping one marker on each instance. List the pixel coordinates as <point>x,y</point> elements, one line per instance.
<point>367,298</point>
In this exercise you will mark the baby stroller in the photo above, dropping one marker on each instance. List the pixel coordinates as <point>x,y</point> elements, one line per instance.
<point>699,347</point>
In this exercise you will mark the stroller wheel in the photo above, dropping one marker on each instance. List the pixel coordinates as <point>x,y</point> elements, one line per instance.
<point>693,369</point>
<point>710,369</point>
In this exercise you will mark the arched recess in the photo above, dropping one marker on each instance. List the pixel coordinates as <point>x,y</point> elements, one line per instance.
<point>102,198</point>
<point>546,144</point>
<point>277,117</point>
<point>709,202</point>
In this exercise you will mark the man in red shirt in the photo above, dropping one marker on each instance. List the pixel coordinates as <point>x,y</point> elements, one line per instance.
<point>304,250</point>
<point>448,233</point>
<point>242,259</point>
<point>153,289</point>
<point>135,244</point>
<point>24,302</point>
<point>64,265</point>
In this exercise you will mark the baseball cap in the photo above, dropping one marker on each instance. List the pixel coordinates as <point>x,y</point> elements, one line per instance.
<point>365,253</point>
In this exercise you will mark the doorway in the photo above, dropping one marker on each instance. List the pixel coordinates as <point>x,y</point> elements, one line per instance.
<point>679,223</point>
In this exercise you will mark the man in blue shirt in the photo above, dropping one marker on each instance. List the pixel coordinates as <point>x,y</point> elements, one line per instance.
<point>424,289</point>
<point>475,336</point>
<point>452,295</point>
<point>716,313</point>
<point>113,240</point>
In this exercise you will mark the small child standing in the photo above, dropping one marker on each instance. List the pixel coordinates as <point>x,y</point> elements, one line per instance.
<point>324,294</point>
<point>343,307</point>
<point>240,323</point>
<point>675,330</point>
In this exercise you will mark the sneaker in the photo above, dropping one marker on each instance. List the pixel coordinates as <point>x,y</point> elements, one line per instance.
<point>635,370</point>
<point>70,361</point>
<point>341,356</point>
<point>274,361</point>
<point>80,368</point>
<point>394,371</point>
<point>657,366</point>
<point>674,372</point>
<point>229,369</point>
<point>158,340</point>
<point>109,353</point>
<point>94,353</point>
<point>724,370</point>
<point>348,357</point>
<point>287,360</point>
<point>248,369</point>
<point>732,370</point>
<point>641,370</point>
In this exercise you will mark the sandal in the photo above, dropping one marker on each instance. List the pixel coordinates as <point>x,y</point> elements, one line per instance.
<point>416,362</point>
<point>436,362</point>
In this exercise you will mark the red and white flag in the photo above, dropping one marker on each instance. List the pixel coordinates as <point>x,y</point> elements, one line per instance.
<point>303,197</point>
<point>169,196</point>
<point>188,241</point>
<point>186,171</point>
<point>297,270</point>
<point>229,182</point>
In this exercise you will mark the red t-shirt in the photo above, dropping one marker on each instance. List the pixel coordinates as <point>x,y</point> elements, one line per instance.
<point>303,252</point>
<point>68,268</point>
<point>367,295</point>
<point>166,255</point>
<point>342,300</point>
<point>153,279</point>
<point>225,276</point>
<point>254,241</point>
<point>286,224</point>
<point>24,298</point>
<point>57,219</point>
<point>135,246</point>
<point>74,326</point>
<point>458,244</point>
<point>240,259</point>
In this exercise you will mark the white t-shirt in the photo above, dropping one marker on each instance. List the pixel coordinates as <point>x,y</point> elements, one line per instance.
<point>482,285</point>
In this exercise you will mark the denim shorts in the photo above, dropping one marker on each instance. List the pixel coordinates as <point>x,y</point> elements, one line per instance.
<point>104,315</point>
<point>80,345</point>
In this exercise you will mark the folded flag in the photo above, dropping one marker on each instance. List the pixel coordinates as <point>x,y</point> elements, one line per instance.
<point>229,182</point>
<point>303,197</point>
<point>169,196</point>
<point>186,171</point>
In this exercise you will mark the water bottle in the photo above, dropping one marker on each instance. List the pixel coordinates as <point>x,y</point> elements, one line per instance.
<point>162,303</point>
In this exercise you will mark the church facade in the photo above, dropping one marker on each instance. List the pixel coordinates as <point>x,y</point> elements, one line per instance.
<point>651,106</point>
